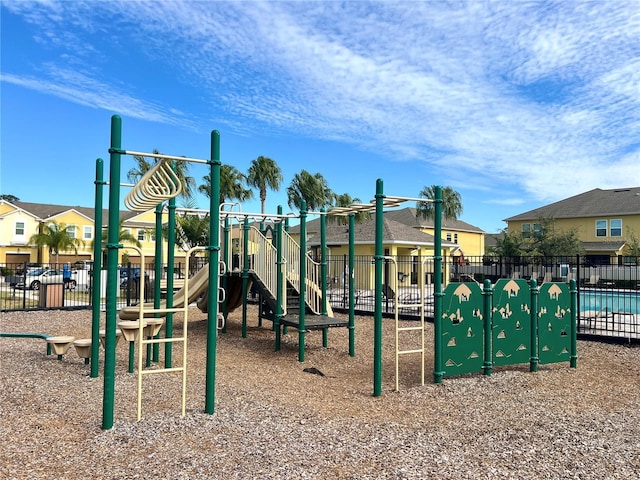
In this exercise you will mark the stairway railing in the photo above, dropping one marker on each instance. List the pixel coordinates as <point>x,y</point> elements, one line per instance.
<point>264,257</point>
<point>313,292</point>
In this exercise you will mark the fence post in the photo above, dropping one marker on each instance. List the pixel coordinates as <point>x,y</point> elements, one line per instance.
<point>533,364</point>
<point>573,362</point>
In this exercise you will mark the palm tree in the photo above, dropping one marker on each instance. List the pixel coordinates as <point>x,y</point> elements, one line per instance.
<point>452,203</point>
<point>345,200</point>
<point>180,167</point>
<point>312,188</point>
<point>264,173</point>
<point>124,236</point>
<point>192,231</point>
<point>56,237</point>
<point>232,183</point>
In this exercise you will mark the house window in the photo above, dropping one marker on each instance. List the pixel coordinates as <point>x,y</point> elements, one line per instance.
<point>152,236</point>
<point>71,231</point>
<point>455,238</point>
<point>537,229</point>
<point>616,228</point>
<point>19,229</point>
<point>601,228</point>
<point>141,235</point>
<point>526,230</point>
<point>87,232</point>
<point>448,237</point>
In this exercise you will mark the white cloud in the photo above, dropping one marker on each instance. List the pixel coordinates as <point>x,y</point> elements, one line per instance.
<point>544,95</point>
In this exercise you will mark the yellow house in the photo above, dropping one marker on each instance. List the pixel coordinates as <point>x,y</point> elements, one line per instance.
<point>19,221</point>
<point>604,220</point>
<point>468,239</point>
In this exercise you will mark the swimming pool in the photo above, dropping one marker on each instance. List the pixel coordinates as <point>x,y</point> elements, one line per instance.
<point>610,301</point>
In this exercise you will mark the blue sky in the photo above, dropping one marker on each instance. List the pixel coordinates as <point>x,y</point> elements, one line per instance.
<point>513,104</point>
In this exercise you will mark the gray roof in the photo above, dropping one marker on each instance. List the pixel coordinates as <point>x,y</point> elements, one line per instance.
<point>392,233</point>
<point>603,246</point>
<point>408,217</point>
<point>44,211</point>
<point>597,202</point>
<point>491,239</point>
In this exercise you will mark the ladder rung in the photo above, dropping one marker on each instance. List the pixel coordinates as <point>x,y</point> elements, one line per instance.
<point>164,310</point>
<point>409,305</point>
<point>162,340</point>
<point>402,352</point>
<point>407,329</point>
<point>162,370</point>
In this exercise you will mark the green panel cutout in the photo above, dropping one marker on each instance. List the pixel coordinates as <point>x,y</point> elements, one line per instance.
<point>462,329</point>
<point>554,323</point>
<point>511,322</point>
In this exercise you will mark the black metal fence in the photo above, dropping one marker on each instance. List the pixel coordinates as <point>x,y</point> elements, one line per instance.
<point>609,292</point>
<point>45,286</point>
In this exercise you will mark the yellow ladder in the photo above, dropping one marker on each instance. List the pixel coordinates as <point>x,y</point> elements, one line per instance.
<point>399,305</point>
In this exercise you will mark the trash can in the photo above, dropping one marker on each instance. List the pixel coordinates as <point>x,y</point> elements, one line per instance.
<point>51,295</point>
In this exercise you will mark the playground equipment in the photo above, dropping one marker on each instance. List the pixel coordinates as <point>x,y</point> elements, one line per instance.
<point>291,285</point>
<point>159,185</point>
<point>460,329</point>
<point>158,188</point>
<point>380,202</point>
<point>512,322</point>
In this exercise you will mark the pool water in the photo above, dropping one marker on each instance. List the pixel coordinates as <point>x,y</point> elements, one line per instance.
<point>610,301</point>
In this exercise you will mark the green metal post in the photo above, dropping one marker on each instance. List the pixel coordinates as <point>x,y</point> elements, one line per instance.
<point>573,360</point>
<point>303,279</point>
<point>112,273</point>
<point>214,257</point>
<point>487,294</point>
<point>533,364</point>
<point>96,280</point>
<point>323,273</point>
<point>245,274</point>
<point>352,287</point>
<point>132,356</point>
<point>157,275</point>
<point>225,280</point>
<point>438,371</point>
<point>171,242</point>
<point>279,313</point>
<point>377,318</point>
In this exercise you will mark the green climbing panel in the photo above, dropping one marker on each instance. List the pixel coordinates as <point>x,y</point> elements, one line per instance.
<point>554,323</point>
<point>462,328</point>
<point>511,335</point>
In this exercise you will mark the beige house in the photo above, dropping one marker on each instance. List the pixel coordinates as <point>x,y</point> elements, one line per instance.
<point>409,243</point>
<point>604,220</point>
<point>19,221</point>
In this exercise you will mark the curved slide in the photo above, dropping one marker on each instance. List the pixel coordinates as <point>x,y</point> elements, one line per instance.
<point>233,294</point>
<point>198,284</point>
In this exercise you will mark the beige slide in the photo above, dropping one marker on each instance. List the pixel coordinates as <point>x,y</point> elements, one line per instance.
<point>198,284</point>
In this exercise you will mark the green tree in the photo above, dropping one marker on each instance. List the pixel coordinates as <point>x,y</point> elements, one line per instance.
<point>507,244</point>
<point>264,173</point>
<point>9,198</point>
<point>56,237</point>
<point>550,242</point>
<point>633,243</point>
<point>451,203</point>
<point>232,185</point>
<point>180,167</point>
<point>124,236</point>
<point>192,231</point>
<point>345,200</point>
<point>314,189</point>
